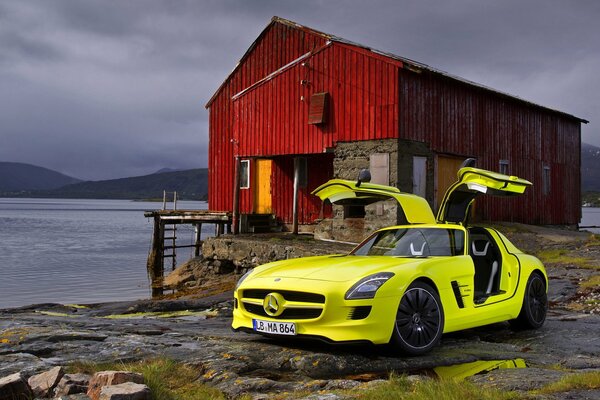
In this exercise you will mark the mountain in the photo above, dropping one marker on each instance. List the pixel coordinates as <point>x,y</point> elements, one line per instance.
<point>590,168</point>
<point>17,177</point>
<point>191,184</point>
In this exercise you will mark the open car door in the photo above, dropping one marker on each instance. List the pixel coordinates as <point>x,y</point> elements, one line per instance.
<point>345,192</point>
<point>471,183</point>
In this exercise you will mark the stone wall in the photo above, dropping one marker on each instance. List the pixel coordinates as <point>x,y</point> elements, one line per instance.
<point>350,158</point>
<point>248,251</point>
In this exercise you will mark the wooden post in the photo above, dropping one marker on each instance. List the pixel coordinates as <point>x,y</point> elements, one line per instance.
<point>236,197</point>
<point>295,199</point>
<point>174,200</point>
<point>164,200</point>
<point>197,239</point>
<point>154,265</point>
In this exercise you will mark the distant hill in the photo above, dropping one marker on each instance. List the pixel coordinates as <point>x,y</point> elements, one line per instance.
<point>189,184</point>
<point>590,168</point>
<point>17,177</point>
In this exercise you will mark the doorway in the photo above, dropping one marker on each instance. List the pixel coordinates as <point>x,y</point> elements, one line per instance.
<point>262,187</point>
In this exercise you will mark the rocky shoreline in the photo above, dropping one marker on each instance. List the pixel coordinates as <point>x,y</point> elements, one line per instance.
<point>36,339</point>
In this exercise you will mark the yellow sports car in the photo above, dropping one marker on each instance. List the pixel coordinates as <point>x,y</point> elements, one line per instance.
<point>404,285</point>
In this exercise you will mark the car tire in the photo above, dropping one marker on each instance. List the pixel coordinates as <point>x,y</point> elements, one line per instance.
<point>535,304</point>
<point>419,321</point>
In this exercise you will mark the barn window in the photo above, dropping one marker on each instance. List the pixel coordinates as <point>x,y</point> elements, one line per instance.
<point>302,172</point>
<point>504,167</point>
<point>244,174</point>
<point>546,183</point>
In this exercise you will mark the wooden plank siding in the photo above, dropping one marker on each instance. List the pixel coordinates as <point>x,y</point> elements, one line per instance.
<point>466,121</point>
<point>262,109</point>
<point>278,45</point>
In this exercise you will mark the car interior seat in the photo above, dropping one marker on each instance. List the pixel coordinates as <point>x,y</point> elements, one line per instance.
<point>486,266</point>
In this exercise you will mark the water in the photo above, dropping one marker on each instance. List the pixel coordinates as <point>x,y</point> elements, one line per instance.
<point>78,251</point>
<point>591,217</point>
<point>86,251</point>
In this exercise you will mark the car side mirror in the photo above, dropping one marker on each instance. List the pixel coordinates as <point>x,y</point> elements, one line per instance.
<point>363,176</point>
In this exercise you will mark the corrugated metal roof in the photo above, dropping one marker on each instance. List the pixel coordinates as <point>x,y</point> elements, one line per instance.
<point>407,64</point>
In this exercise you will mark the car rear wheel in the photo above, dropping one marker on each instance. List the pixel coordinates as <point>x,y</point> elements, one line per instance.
<point>535,304</point>
<point>419,320</point>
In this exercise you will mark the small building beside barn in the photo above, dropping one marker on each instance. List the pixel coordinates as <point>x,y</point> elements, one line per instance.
<point>304,106</point>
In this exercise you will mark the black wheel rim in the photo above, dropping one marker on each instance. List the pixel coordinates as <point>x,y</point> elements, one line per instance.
<point>538,302</point>
<point>418,318</point>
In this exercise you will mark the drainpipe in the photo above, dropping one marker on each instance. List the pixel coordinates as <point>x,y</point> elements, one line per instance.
<point>236,197</point>
<point>295,200</point>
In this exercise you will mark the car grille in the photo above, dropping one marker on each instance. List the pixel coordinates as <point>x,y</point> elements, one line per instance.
<point>308,305</point>
<point>290,313</point>
<point>287,294</point>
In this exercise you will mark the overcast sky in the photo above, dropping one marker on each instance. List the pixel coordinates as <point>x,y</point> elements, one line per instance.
<point>101,89</point>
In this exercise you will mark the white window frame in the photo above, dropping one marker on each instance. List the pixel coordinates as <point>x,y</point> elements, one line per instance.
<point>245,174</point>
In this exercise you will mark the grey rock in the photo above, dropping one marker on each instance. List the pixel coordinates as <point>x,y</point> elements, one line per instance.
<point>72,384</point>
<point>518,379</point>
<point>78,396</point>
<point>43,384</point>
<point>125,391</point>
<point>100,380</point>
<point>14,387</point>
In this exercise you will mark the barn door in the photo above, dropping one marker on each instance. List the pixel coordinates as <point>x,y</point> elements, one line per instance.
<point>447,168</point>
<point>420,176</point>
<point>262,187</point>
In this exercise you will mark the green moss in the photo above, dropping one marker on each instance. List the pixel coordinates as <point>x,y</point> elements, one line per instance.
<point>173,314</point>
<point>563,256</point>
<point>592,282</point>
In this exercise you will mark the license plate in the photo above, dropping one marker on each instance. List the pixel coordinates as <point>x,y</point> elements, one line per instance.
<point>275,328</point>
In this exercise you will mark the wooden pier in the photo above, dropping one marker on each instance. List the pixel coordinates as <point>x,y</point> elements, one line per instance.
<point>164,238</point>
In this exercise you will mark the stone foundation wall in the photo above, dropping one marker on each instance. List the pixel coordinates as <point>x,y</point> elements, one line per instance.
<point>247,251</point>
<point>350,158</point>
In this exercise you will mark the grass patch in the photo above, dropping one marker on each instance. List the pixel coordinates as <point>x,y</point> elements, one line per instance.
<point>592,282</point>
<point>167,379</point>
<point>401,388</point>
<point>586,381</point>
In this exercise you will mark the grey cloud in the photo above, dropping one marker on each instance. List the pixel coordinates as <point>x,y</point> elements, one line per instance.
<point>108,88</point>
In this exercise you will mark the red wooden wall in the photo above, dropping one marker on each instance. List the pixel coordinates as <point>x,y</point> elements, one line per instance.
<point>464,120</point>
<point>373,97</point>
<point>277,45</point>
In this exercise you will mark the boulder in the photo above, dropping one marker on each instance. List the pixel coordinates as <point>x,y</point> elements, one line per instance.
<point>177,278</point>
<point>125,391</point>
<point>43,384</point>
<point>72,384</point>
<point>15,387</point>
<point>110,378</point>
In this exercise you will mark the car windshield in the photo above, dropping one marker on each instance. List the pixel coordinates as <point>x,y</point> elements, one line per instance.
<point>413,242</point>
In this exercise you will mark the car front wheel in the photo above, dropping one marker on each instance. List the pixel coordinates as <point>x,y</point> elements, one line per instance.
<point>419,320</point>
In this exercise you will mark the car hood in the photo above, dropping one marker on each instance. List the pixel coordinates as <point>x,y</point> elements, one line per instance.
<point>337,268</point>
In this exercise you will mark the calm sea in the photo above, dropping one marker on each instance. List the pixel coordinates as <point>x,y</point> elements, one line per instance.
<point>86,251</point>
<point>78,251</point>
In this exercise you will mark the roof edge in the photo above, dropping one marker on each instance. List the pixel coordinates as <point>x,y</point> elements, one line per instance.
<point>408,64</point>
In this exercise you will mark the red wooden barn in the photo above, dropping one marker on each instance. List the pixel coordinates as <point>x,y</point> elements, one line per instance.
<point>305,101</point>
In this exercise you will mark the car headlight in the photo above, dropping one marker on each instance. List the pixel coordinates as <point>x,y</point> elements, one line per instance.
<point>239,282</point>
<point>368,286</point>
